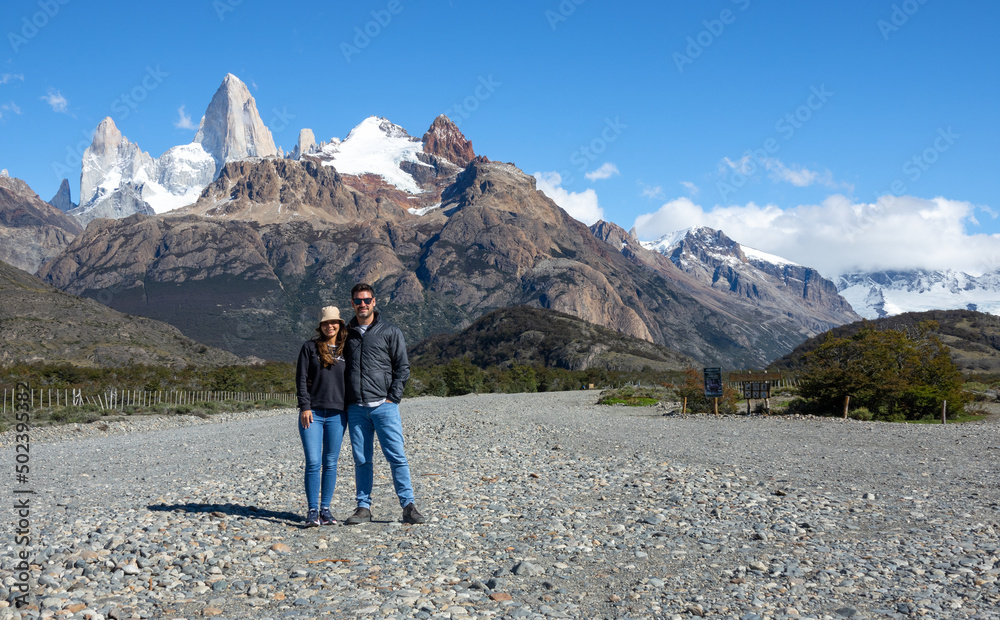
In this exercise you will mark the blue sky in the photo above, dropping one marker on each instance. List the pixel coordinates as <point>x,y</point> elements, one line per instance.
<point>856,134</point>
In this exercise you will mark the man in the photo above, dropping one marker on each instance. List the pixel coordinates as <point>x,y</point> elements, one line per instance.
<point>376,372</point>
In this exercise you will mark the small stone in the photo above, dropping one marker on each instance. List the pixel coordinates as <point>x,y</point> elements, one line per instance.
<point>281,548</point>
<point>501,596</point>
<point>527,569</point>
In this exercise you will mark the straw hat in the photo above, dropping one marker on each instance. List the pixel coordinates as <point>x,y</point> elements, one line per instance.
<point>330,313</point>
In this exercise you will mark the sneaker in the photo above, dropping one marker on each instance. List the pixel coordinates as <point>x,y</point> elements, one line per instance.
<point>325,518</point>
<point>410,514</point>
<point>361,515</point>
<point>312,518</point>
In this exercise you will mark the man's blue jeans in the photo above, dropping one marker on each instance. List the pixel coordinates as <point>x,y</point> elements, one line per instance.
<point>364,424</point>
<point>321,443</point>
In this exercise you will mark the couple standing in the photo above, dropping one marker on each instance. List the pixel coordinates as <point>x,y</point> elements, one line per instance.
<point>362,364</point>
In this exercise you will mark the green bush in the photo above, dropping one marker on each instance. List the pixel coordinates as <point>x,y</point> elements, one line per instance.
<point>896,375</point>
<point>861,413</point>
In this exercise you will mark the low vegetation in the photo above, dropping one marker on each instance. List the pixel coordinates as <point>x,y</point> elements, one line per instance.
<point>460,376</point>
<point>269,378</point>
<point>895,375</point>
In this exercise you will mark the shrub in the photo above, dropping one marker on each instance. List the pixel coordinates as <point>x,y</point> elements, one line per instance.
<point>896,375</point>
<point>861,413</point>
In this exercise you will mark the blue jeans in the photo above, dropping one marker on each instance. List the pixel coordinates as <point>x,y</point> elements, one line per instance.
<point>321,443</point>
<point>364,423</point>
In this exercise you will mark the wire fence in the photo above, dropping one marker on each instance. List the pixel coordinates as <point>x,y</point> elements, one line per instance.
<point>118,399</point>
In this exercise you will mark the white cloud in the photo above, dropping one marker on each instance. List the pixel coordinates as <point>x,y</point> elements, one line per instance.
<point>606,171</point>
<point>839,235</point>
<point>56,100</point>
<point>798,176</point>
<point>580,205</point>
<point>691,188</point>
<point>652,191</point>
<point>9,107</point>
<point>6,77</point>
<point>184,120</point>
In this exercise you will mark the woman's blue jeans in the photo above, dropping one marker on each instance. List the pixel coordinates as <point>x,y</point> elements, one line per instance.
<point>321,443</point>
<point>384,421</point>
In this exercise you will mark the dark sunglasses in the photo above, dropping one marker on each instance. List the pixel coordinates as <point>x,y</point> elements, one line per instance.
<point>364,300</point>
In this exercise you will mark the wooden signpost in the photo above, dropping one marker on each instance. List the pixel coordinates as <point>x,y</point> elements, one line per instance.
<point>756,385</point>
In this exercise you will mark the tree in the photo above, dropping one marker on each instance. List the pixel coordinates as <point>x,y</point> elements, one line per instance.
<point>895,374</point>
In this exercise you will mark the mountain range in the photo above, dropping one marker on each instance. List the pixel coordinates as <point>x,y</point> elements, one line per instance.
<point>237,244</point>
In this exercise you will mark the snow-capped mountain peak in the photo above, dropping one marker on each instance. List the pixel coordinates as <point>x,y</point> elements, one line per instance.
<point>376,146</point>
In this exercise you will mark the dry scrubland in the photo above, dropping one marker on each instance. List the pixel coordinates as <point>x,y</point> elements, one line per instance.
<point>541,506</point>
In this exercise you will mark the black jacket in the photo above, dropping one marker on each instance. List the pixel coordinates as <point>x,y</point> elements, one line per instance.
<point>318,387</point>
<point>377,365</point>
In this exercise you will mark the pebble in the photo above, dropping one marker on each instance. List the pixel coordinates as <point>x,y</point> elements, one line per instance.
<point>538,506</point>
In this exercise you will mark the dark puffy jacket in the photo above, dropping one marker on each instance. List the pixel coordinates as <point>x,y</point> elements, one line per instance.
<point>377,365</point>
<point>318,387</point>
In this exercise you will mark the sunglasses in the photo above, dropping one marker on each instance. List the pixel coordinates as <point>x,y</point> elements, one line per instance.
<point>364,300</point>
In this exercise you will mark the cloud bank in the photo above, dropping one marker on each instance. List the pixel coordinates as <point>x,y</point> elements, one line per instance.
<point>582,206</point>
<point>840,235</point>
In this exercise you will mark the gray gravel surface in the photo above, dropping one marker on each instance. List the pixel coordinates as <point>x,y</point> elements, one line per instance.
<point>538,506</point>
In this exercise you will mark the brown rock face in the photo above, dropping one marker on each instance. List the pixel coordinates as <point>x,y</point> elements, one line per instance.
<point>31,230</point>
<point>445,140</point>
<point>277,190</point>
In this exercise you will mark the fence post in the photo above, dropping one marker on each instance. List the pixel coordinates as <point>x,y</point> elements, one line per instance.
<point>847,401</point>
<point>944,412</point>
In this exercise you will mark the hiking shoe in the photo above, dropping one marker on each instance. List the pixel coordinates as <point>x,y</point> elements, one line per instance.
<point>410,514</point>
<point>361,515</point>
<point>325,518</point>
<point>312,518</point>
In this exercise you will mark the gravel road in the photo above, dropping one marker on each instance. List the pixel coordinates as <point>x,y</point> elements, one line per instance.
<point>538,506</point>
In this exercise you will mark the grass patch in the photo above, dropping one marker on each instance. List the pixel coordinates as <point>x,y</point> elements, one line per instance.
<point>636,396</point>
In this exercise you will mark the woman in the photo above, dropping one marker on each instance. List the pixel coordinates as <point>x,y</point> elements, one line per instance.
<point>319,377</point>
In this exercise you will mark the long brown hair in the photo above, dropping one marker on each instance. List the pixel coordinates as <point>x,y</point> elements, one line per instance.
<point>326,356</point>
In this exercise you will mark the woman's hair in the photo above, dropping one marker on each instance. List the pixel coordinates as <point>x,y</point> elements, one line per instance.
<point>326,356</point>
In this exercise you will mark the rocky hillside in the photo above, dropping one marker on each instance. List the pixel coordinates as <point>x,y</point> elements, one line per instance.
<point>973,338</point>
<point>41,324</point>
<point>31,230</point>
<point>528,335</point>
